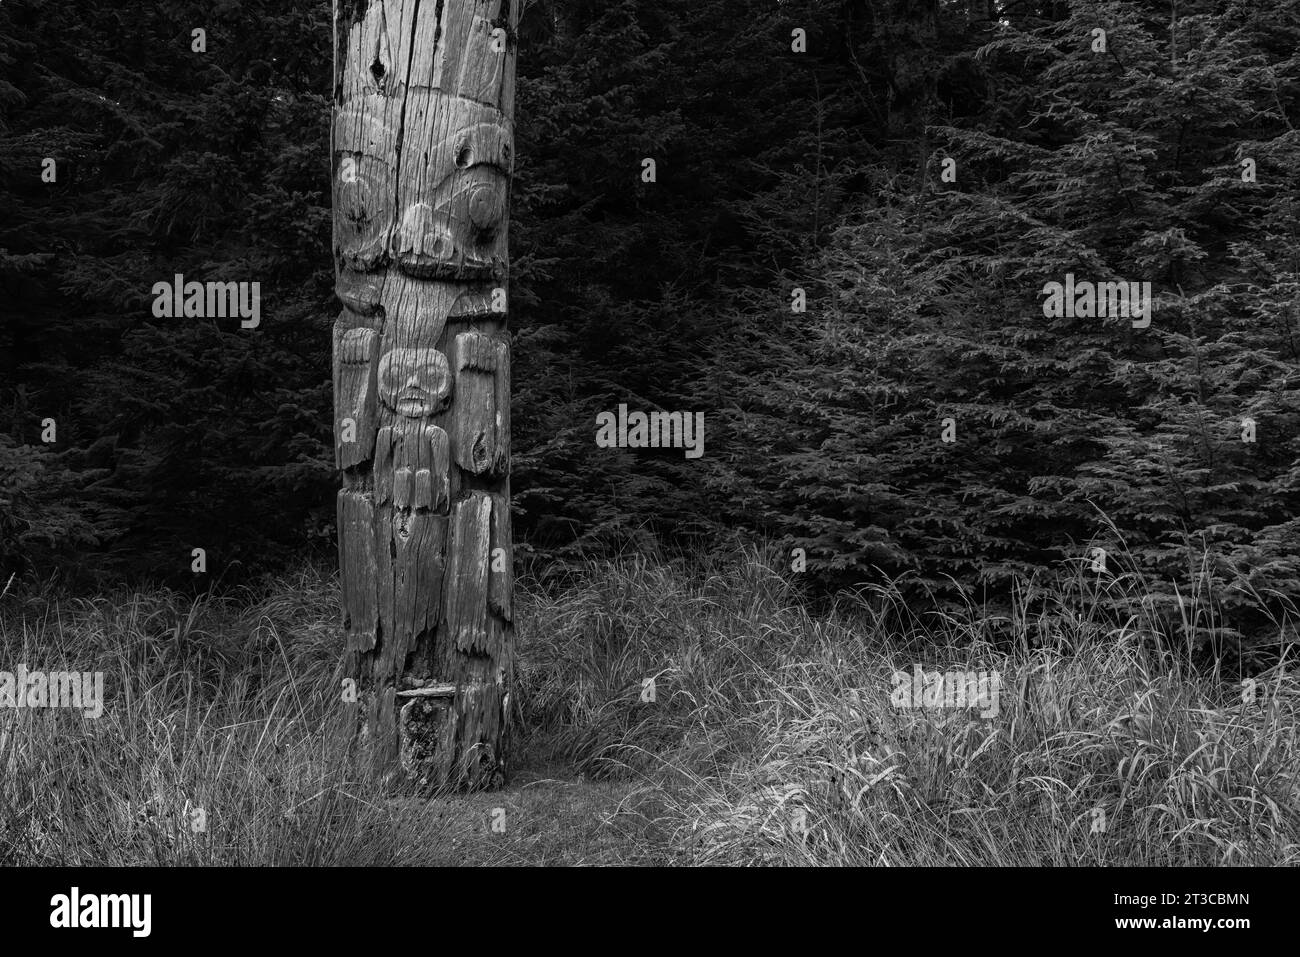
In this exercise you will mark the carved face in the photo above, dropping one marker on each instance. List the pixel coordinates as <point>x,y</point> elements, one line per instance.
<point>456,229</point>
<point>414,382</point>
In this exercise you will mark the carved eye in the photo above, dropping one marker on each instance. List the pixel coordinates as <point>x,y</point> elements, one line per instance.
<point>464,156</point>
<point>361,218</point>
<point>486,208</point>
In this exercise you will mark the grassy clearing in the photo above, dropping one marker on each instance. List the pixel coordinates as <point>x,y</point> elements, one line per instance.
<point>771,737</point>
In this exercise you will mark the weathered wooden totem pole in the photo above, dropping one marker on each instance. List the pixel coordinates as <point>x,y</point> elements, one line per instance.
<point>422,156</point>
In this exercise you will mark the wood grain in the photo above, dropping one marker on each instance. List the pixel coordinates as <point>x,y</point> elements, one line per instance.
<point>423,148</point>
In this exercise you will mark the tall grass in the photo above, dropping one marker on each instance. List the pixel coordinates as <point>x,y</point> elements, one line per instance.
<point>218,743</point>
<point>753,726</point>
<point>773,733</point>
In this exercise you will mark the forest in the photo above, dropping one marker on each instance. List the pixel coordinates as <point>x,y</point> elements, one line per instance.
<point>971,317</point>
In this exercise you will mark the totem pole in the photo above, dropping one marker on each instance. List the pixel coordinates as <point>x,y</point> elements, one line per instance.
<point>422,155</point>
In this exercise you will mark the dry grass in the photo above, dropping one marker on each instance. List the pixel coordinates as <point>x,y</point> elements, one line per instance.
<point>770,737</point>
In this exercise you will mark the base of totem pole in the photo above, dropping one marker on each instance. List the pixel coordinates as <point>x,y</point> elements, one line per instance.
<point>432,745</point>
